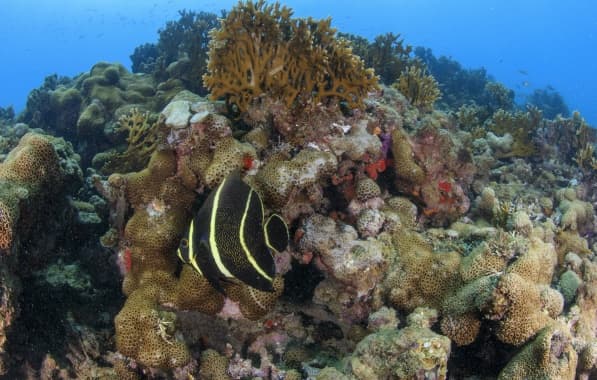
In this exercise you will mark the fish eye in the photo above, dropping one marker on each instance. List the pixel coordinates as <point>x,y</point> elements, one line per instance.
<point>184,243</point>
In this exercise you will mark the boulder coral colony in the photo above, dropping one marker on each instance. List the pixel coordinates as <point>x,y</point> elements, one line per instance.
<point>433,233</point>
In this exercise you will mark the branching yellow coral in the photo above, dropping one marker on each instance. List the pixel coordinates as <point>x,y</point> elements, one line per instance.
<point>260,50</point>
<point>585,155</point>
<point>420,88</point>
<point>141,140</point>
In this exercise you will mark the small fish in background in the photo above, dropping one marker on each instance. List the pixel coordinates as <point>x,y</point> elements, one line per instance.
<point>523,84</point>
<point>228,241</point>
<point>523,72</point>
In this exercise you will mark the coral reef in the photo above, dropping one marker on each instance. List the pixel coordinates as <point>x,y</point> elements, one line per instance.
<point>549,101</point>
<point>497,288</point>
<point>434,168</point>
<point>418,276</point>
<point>420,239</point>
<point>576,214</point>
<point>201,154</point>
<point>86,109</point>
<point>354,266</point>
<point>459,86</point>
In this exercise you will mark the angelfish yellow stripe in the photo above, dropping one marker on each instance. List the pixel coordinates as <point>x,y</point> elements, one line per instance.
<point>192,253</point>
<point>244,244</point>
<point>213,246</point>
<point>266,234</point>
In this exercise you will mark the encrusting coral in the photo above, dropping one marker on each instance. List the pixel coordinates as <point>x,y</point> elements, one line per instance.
<point>418,276</point>
<point>549,356</point>
<point>505,282</point>
<point>280,178</point>
<point>260,49</point>
<point>353,266</point>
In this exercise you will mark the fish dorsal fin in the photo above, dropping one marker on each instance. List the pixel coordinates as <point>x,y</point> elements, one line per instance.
<point>276,233</point>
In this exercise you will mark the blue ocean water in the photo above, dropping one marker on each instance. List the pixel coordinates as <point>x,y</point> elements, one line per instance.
<point>526,45</point>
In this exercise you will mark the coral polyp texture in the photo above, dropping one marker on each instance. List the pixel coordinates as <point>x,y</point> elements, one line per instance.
<point>260,49</point>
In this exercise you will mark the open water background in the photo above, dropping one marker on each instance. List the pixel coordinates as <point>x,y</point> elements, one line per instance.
<point>525,44</point>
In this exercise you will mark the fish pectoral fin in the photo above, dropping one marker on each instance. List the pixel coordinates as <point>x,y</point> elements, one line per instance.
<point>231,281</point>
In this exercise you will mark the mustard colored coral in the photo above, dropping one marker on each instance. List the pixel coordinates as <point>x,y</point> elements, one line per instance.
<point>550,355</point>
<point>419,276</point>
<point>161,197</point>
<point>32,163</point>
<point>146,333</point>
<point>260,49</point>
<point>6,226</point>
<point>419,87</point>
<point>405,166</point>
<point>141,141</point>
<point>30,166</point>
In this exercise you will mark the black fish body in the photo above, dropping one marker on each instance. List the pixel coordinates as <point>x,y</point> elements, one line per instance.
<point>227,240</point>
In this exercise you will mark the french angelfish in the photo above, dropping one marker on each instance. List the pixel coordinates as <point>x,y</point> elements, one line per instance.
<point>228,239</point>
